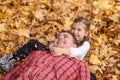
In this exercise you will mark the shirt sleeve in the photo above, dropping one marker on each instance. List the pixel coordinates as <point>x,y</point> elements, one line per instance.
<point>17,70</point>
<point>84,73</point>
<point>81,51</point>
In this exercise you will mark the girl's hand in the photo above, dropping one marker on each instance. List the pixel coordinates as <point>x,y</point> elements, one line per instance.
<point>61,51</point>
<point>57,51</point>
<point>54,50</point>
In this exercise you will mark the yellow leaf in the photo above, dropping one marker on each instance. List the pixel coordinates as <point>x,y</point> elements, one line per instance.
<point>23,32</point>
<point>24,20</point>
<point>2,27</point>
<point>104,5</point>
<point>96,11</point>
<point>95,68</point>
<point>3,36</point>
<point>27,1</point>
<point>94,59</point>
<point>9,11</point>
<point>44,2</point>
<point>40,14</point>
<point>114,17</point>
<point>114,77</point>
<point>7,50</point>
<point>2,16</point>
<point>118,8</point>
<point>68,23</point>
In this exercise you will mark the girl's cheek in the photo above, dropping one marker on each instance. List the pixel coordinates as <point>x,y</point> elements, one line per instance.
<point>72,31</point>
<point>79,32</point>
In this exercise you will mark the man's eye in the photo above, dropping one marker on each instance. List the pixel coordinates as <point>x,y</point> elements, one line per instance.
<point>57,36</point>
<point>65,36</point>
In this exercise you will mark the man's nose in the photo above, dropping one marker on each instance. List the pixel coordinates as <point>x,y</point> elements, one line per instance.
<point>60,37</point>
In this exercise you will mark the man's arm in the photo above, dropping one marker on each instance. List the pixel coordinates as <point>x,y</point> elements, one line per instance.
<point>18,69</point>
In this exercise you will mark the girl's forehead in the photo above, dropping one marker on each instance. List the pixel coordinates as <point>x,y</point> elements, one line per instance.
<point>79,24</point>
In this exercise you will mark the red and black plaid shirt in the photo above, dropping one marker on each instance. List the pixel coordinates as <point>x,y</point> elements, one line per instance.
<point>42,65</point>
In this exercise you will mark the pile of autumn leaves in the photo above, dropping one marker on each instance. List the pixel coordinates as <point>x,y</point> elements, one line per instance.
<point>21,20</point>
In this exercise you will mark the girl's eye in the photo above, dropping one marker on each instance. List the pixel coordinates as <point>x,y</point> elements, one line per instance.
<point>73,28</point>
<point>79,29</point>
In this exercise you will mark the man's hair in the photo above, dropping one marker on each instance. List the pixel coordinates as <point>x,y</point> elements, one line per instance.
<point>74,38</point>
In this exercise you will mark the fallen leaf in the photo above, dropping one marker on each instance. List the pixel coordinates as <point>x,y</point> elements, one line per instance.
<point>94,59</point>
<point>2,27</point>
<point>23,32</point>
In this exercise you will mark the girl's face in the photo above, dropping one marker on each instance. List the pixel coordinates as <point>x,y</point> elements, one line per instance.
<point>78,29</point>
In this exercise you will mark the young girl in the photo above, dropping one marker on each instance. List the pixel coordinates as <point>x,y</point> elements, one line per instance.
<point>80,29</point>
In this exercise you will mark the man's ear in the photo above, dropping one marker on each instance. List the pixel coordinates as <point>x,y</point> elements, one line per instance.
<point>74,45</point>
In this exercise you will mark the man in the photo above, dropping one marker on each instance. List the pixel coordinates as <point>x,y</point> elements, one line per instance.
<point>42,65</point>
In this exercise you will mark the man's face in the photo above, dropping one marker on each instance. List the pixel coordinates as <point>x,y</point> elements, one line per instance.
<point>64,40</point>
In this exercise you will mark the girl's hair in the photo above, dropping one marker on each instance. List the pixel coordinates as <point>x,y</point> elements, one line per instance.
<point>86,22</point>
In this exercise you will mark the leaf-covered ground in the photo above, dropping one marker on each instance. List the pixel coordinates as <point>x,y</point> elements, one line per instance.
<point>21,20</point>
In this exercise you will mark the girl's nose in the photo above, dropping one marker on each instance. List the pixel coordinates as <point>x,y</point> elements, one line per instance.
<point>75,32</point>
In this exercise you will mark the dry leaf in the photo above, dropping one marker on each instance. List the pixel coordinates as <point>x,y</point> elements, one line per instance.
<point>114,77</point>
<point>40,14</point>
<point>2,27</point>
<point>94,59</point>
<point>23,32</point>
<point>114,17</point>
<point>103,4</point>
